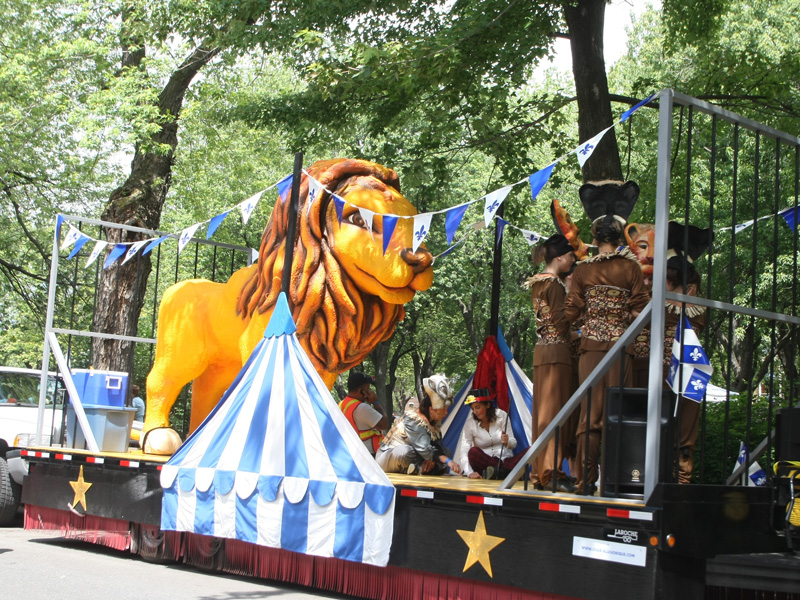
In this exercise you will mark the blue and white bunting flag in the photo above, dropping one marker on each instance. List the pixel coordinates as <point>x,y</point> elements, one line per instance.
<point>368,216</point>
<point>790,216</point>
<point>314,189</point>
<point>452,220</point>
<point>422,226</point>
<point>586,149</point>
<point>284,187</point>
<point>755,474</point>
<point>73,235</point>
<point>214,224</point>
<point>78,245</point>
<point>493,201</point>
<point>530,236</point>
<point>338,204</point>
<point>249,205</point>
<point>115,253</point>
<point>98,248</point>
<point>186,236</point>
<point>133,250</point>
<point>154,243</point>
<point>744,225</point>
<point>389,223</point>
<point>690,375</point>
<point>539,179</point>
<point>633,109</point>
<point>501,225</point>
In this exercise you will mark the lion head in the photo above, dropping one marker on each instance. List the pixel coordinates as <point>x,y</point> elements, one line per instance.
<point>641,239</point>
<point>346,295</point>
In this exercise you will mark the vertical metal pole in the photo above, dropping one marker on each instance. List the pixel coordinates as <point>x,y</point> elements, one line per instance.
<point>656,375</point>
<point>291,226</point>
<point>497,269</point>
<point>48,325</point>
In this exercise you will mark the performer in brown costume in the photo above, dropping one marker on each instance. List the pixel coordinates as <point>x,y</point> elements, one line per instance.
<point>679,264</point>
<point>552,359</point>
<point>607,291</point>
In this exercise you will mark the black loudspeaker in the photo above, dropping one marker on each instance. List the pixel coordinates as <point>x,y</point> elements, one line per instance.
<point>625,439</point>
<point>787,434</point>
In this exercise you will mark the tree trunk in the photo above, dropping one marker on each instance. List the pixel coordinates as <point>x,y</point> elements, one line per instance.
<point>138,202</point>
<point>585,21</point>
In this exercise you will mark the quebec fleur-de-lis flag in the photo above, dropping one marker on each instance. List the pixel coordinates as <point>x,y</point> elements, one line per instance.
<point>689,375</point>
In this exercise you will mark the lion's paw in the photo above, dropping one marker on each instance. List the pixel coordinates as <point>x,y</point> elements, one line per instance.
<point>161,440</point>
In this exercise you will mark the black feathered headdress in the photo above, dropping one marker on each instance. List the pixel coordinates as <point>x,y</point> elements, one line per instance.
<point>679,255</point>
<point>609,199</point>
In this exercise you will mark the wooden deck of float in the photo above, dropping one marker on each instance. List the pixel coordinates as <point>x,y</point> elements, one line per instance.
<point>491,488</point>
<point>442,483</point>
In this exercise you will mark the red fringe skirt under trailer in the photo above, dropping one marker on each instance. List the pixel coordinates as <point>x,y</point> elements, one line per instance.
<point>251,560</point>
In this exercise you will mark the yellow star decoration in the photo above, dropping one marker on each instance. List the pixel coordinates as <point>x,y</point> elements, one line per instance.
<point>80,488</point>
<point>480,544</point>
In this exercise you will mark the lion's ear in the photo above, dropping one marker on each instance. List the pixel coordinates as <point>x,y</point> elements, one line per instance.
<point>631,231</point>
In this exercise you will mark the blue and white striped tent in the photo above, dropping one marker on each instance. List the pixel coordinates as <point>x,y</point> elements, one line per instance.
<point>277,464</point>
<point>520,405</point>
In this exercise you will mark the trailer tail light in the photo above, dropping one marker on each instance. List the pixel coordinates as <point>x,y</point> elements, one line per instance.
<point>654,541</point>
<point>670,540</point>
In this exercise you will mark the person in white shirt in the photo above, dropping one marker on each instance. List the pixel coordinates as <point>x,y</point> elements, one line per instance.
<point>487,443</point>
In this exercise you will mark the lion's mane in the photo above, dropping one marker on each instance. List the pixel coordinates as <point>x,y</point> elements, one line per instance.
<point>338,324</point>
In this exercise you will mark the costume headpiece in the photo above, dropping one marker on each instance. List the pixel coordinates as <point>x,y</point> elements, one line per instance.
<point>437,388</point>
<point>566,226</point>
<point>481,394</point>
<point>560,243</point>
<point>699,241</point>
<point>356,379</point>
<point>609,199</point>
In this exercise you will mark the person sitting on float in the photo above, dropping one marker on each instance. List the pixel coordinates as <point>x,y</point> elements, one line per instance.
<point>414,442</point>
<point>486,445</point>
<point>363,411</point>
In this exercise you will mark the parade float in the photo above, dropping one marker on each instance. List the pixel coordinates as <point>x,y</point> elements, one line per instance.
<point>272,482</point>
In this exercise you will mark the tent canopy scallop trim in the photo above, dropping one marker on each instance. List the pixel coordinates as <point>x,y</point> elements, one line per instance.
<point>349,494</point>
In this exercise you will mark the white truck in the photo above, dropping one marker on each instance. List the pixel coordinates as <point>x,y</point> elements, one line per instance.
<point>19,412</point>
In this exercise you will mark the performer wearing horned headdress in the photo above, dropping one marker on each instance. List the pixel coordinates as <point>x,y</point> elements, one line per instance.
<point>683,278</point>
<point>607,291</point>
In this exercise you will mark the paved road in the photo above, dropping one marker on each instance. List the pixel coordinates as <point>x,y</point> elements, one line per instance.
<point>38,565</point>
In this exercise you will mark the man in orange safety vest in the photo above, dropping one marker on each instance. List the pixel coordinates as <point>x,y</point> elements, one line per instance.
<point>363,411</point>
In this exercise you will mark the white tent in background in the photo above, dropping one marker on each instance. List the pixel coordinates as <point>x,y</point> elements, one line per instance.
<point>714,393</point>
<point>520,405</point>
<point>277,464</point>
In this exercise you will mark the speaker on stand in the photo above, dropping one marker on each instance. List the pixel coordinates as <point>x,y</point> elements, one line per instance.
<point>625,440</point>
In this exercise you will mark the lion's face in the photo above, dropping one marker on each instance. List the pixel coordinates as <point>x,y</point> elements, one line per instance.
<point>641,241</point>
<point>395,276</point>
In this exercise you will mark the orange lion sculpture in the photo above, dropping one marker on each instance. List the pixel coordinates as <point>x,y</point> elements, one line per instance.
<point>346,295</point>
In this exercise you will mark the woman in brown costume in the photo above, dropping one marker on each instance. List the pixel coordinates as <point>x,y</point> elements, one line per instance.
<point>552,359</point>
<point>679,265</point>
<point>607,292</point>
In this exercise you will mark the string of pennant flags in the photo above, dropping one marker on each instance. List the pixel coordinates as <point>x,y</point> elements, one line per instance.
<point>421,226</point>
<point>422,222</point>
